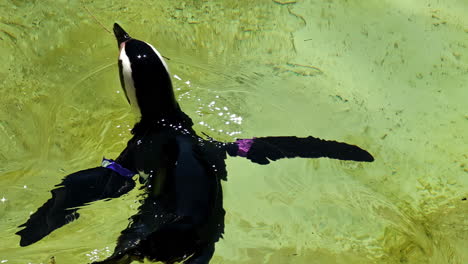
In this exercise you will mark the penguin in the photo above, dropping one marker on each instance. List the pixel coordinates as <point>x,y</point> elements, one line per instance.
<point>181,215</point>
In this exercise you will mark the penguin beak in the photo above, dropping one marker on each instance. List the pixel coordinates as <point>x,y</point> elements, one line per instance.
<point>120,34</point>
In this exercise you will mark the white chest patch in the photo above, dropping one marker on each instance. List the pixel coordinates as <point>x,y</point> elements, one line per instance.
<point>128,80</point>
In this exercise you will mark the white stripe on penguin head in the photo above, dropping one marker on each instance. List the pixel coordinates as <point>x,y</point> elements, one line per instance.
<point>128,80</point>
<point>161,59</point>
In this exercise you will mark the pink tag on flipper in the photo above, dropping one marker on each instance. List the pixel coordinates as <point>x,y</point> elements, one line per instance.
<point>244,146</point>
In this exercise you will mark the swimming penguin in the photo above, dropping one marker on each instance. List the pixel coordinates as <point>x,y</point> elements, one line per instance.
<point>181,216</point>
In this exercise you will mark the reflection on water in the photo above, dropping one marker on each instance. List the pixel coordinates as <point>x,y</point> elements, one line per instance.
<point>387,76</point>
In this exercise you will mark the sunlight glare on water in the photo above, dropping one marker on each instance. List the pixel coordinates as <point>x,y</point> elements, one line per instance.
<point>389,76</point>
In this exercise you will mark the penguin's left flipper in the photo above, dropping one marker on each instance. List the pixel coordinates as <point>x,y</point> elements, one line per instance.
<point>262,150</point>
<point>76,189</point>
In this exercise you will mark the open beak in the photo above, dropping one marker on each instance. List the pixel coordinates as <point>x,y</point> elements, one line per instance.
<point>120,34</point>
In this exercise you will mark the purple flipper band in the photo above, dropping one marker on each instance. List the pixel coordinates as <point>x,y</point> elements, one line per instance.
<point>244,146</point>
<point>110,164</point>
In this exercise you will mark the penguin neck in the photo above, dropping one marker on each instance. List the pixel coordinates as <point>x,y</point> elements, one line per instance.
<point>155,99</point>
<point>148,87</point>
<point>155,104</point>
<point>158,118</point>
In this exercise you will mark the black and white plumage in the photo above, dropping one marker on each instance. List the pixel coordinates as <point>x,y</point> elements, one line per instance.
<point>181,216</point>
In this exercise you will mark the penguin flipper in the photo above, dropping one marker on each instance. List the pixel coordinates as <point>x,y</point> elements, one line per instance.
<point>76,189</point>
<point>262,150</point>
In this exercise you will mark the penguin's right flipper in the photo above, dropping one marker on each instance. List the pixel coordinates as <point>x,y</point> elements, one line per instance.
<point>76,189</point>
<point>262,150</point>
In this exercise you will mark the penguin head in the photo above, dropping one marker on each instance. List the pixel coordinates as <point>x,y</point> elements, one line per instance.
<point>144,76</point>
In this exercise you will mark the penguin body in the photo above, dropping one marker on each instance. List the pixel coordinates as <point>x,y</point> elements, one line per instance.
<point>182,210</point>
<point>181,216</point>
<point>182,213</point>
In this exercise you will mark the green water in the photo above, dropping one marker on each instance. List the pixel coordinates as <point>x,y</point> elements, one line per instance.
<point>389,76</point>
